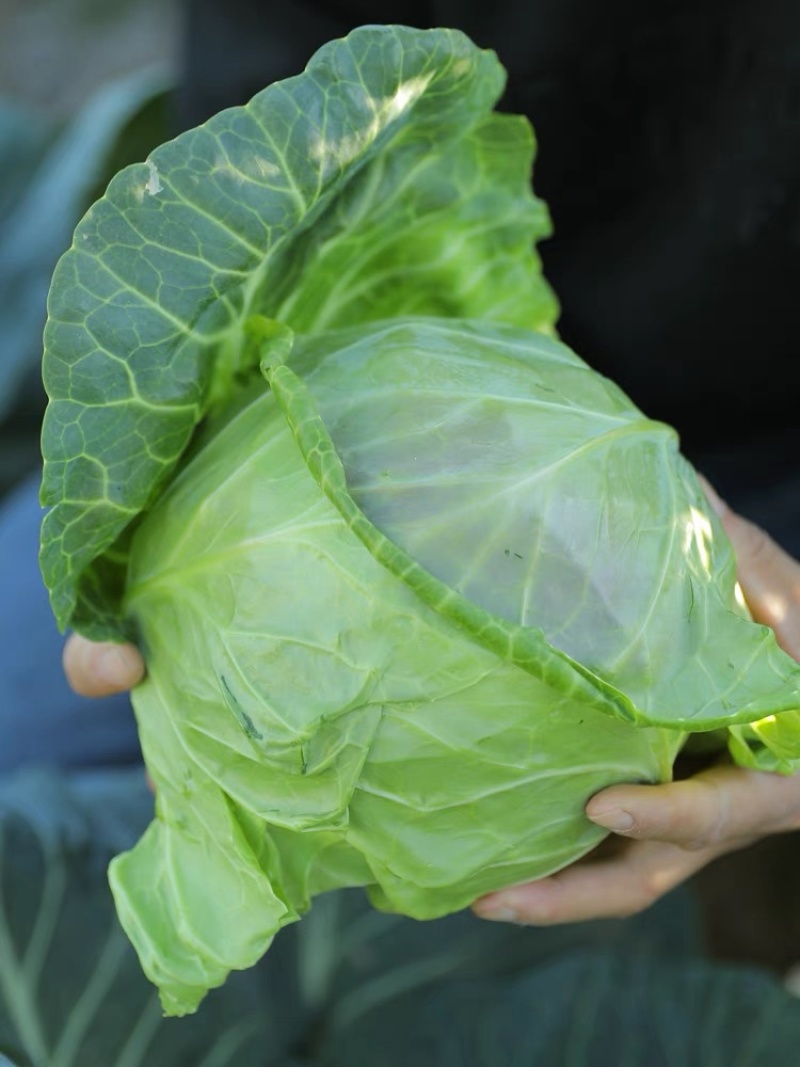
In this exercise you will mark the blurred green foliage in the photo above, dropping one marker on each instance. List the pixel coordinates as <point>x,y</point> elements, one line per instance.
<point>55,54</point>
<point>350,986</point>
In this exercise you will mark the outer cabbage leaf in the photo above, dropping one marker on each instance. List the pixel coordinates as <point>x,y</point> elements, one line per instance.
<point>375,183</point>
<point>491,467</point>
<point>336,698</point>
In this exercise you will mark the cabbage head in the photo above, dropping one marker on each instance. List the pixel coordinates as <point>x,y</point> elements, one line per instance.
<point>412,581</point>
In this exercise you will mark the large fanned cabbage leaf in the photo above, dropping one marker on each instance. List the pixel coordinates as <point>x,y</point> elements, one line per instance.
<point>376,183</point>
<point>412,581</point>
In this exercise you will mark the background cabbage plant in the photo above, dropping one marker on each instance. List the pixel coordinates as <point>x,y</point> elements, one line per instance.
<point>349,986</point>
<point>412,581</point>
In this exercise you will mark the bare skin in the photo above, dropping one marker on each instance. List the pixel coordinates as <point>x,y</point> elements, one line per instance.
<point>663,834</point>
<point>99,670</point>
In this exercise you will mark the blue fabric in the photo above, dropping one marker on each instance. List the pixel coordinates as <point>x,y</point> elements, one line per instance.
<point>41,720</point>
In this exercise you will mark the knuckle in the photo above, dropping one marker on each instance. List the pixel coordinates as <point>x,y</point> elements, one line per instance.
<point>714,807</point>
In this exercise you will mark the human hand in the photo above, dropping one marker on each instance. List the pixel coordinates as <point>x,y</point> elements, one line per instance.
<point>663,834</point>
<point>99,669</point>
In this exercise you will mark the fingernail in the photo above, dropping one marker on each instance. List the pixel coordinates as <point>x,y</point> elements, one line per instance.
<point>714,499</point>
<point>499,913</point>
<point>616,819</point>
<point>115,665</point>
<point>496,907</point>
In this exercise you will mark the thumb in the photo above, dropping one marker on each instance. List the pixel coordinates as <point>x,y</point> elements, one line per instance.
<point>717,808</point>
<point>97,670</point>
<point>769,577</point>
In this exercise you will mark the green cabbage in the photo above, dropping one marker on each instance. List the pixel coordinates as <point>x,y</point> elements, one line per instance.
<point>412,581</point>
